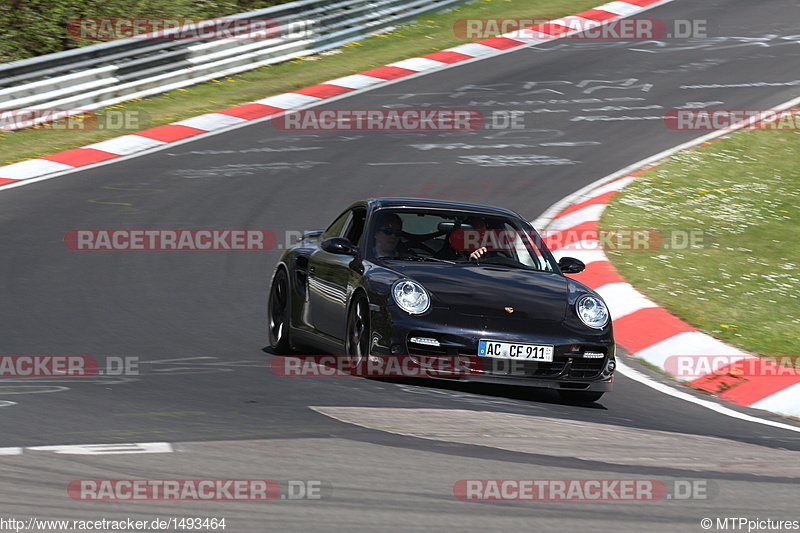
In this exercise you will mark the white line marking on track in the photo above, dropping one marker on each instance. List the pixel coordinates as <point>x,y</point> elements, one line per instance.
<point>107,449</point>
<point>95,449</point>
<point>405,163</point>
<point>10,451</point>
<point>180,359</point>
<point>32,389</point>
<point>635,375</point>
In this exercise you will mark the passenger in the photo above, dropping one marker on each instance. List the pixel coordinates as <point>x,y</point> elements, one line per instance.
<point>479,226</point>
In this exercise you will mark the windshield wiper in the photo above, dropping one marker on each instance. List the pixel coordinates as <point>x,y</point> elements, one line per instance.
<point>422,258</point>
<point>508,263</point>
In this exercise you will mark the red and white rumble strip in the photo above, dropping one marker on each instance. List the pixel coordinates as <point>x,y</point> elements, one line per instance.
<point>161,135</point>
<point>653,334</point>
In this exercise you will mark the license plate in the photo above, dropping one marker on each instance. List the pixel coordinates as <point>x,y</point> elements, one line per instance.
<point>509,350</point>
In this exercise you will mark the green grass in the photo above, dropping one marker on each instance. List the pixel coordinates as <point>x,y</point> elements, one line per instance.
<point>427,34</point>
<point>744,193</point>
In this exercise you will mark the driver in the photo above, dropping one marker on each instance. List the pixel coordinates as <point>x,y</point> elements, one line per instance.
<point>387,236</point>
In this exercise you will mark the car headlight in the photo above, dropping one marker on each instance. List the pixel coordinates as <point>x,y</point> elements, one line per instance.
<point>592,311</point>
<point>411,296</point>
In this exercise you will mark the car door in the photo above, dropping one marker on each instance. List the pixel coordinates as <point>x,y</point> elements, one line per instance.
<point>331,277</point>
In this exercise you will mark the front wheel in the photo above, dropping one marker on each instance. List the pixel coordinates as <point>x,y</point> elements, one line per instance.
<point>573,396</point>
<point>279,312</point>
<point>357,337</point>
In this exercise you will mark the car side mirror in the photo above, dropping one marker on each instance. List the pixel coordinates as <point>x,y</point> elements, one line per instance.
<point>570,265</point>
<point>339,246</point>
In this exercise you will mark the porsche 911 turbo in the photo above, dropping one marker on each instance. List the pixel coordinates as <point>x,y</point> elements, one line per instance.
<point>427,279</point>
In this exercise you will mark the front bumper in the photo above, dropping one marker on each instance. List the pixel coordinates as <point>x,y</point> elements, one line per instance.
<point>599,385</point>
<point>583,359</point>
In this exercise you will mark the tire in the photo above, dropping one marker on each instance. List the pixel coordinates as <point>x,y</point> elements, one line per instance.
<point>279,313</point>
<point>357,333</point>
<point>573,396</point>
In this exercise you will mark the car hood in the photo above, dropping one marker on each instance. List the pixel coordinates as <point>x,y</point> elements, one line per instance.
<point>487,290</point>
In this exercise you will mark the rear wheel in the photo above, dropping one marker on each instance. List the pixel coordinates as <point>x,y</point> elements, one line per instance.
<point>357,338</point>
<point>279,309</point>
<point>574,396</point>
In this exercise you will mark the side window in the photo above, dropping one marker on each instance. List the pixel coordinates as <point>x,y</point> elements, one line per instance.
<point>355,226</point>
<point>335,229</point>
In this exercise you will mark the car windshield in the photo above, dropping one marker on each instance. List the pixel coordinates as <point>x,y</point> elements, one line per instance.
<point>456,237</point>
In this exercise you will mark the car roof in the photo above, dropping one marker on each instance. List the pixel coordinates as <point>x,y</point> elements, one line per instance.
<point>426,203</point>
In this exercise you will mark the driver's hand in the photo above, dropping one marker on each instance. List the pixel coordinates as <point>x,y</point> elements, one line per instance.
<point>477,254</point>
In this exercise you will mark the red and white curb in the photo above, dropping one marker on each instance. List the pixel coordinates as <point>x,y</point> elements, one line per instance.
<point>651,333</point>
<point>160,136</point>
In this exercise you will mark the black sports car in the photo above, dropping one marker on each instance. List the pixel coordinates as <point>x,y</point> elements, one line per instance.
<point>429,280</point>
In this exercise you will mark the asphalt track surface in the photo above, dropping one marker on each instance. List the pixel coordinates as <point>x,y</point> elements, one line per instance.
<point>387,453</point>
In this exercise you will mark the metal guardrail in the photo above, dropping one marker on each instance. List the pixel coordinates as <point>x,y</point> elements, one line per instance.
<point>112,72</point>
